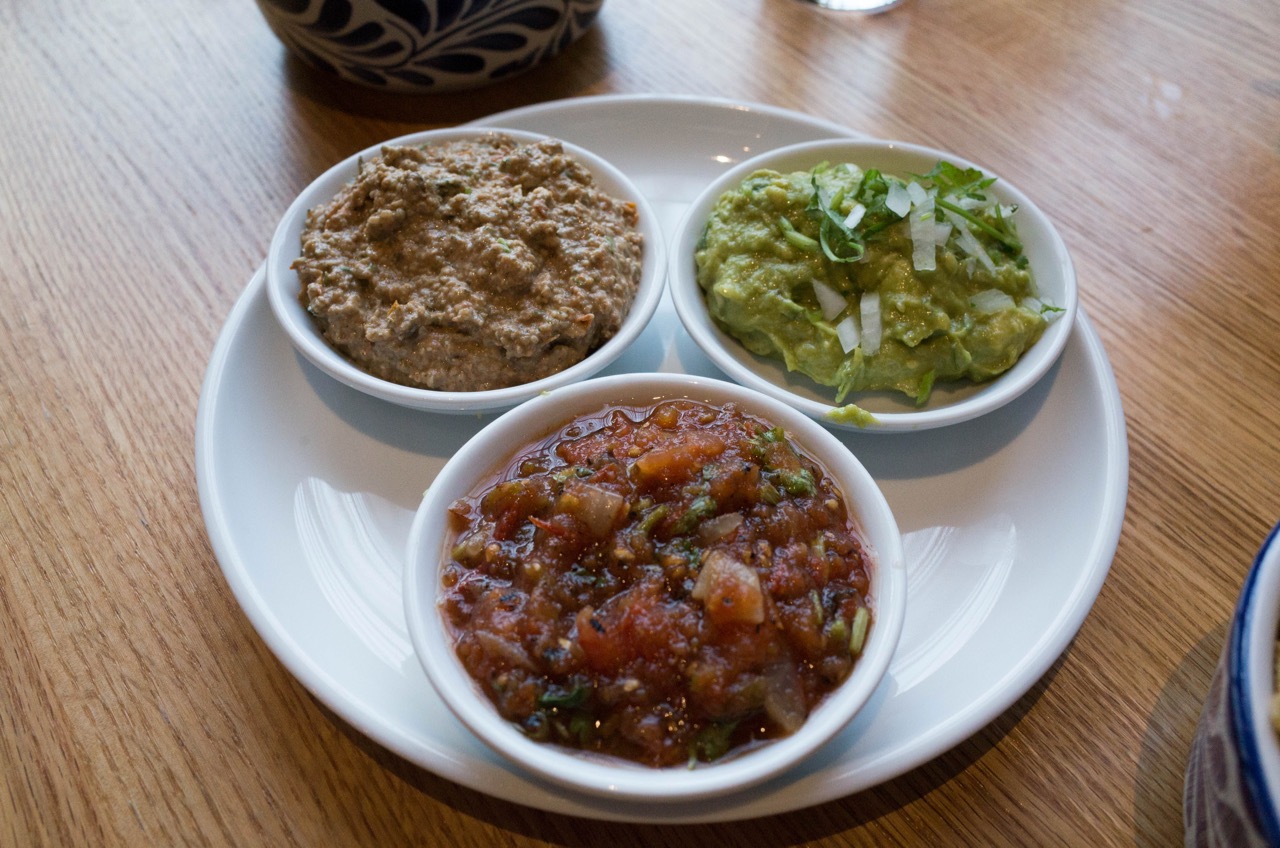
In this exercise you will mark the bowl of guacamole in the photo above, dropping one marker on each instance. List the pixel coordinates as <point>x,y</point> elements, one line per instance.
<point>875,285</point>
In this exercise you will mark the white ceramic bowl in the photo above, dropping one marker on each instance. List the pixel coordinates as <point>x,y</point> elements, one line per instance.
<point>427,46</point>
<point>1232,792</point>
<point>948,403</point>
<point>283,286</point>
<point>481,456</point>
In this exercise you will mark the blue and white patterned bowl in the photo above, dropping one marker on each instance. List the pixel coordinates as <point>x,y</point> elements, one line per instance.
<point>427,45</point>
<point>1232,795</point>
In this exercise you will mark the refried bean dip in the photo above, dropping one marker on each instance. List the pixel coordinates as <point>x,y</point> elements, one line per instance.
<point>470,265</point>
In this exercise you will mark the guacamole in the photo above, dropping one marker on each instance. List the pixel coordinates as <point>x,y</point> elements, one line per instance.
<point>866,281</point>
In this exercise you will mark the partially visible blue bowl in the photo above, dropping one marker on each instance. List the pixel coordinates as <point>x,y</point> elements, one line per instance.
<point>1232,793</point>
<point>427,45</point>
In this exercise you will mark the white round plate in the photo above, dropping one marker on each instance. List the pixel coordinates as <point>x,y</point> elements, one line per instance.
<point>1009,522</point>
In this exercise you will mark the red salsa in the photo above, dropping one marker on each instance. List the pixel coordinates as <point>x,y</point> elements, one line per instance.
<point>667,584</point>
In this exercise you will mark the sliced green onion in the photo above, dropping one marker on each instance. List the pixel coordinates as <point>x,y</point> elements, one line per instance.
<point>796,238</point>
<point>558,696</point>
<point>858,634</point>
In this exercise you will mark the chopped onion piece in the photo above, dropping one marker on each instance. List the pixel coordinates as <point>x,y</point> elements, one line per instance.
<point>855,215</point>
<point>923,252</point>
<point>783,697</point>
<point>729,590</point>
<point>918,195</point>
<point>847,333</point>
<point>968,242</point>
<point>595,507</point>
<point>927,234</point>
<point>991,300</point>
<point>715,529</point>
<point>831,301</point>
<point>898,200</point>
<point>870,323</point>
<point>1038,306</point>
<point>924,235</point>
<point>970,203</point>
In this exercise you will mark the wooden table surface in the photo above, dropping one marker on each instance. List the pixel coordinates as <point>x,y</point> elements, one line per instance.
<point>148,151</point>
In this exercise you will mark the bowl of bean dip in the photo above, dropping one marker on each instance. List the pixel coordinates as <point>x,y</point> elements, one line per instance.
<point>465,270</point>
<point>655,586</point>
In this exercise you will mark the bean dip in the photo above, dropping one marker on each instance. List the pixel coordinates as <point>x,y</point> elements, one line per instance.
<point>470,265</point>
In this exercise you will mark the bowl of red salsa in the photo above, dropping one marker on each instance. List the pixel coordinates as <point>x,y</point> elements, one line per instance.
<point>654,586</point>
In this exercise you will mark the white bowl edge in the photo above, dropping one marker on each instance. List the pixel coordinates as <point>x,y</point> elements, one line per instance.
<point>1053,263</point>
<point>283,286</point>
<point>637,782</point>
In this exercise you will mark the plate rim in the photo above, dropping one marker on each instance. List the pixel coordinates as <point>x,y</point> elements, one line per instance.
<point>890,764</point>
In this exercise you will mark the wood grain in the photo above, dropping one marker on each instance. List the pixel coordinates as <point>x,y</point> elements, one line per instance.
<point>148,151</point>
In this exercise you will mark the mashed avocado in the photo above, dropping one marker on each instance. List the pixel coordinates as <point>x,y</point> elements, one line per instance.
<point>866,281</point>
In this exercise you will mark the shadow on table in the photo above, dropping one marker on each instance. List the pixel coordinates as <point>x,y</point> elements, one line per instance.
<point>337,118</point>
<point>794,828</point>
<point>1166,745</point>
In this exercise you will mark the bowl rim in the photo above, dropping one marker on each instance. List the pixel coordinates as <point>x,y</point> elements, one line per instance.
<point>742,366</point>
<point>282,282</point>
<point>1251,683</point>
<point>584,773</point>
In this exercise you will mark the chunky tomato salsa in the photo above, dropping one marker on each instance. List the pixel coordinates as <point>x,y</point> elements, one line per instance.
<point>669,584</point>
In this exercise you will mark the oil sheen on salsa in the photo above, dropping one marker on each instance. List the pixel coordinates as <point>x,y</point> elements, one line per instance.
<point>669,584</point>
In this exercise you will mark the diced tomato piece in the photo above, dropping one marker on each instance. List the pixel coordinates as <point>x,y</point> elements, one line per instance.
<point>677,461</point>
<point>601,647</point>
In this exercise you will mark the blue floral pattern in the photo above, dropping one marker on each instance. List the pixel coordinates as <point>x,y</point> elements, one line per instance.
<point>428,44</point>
